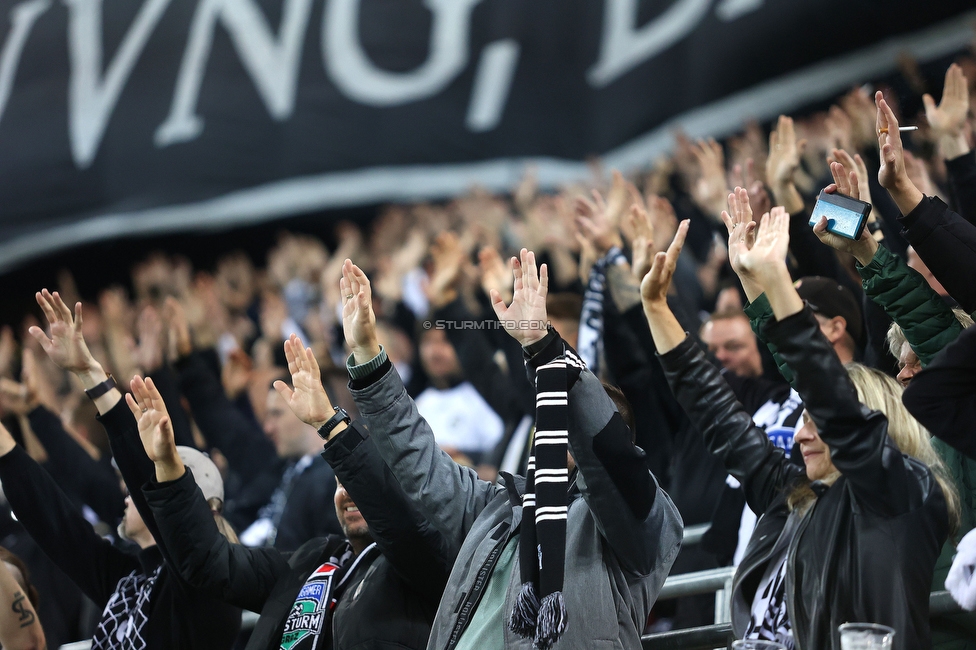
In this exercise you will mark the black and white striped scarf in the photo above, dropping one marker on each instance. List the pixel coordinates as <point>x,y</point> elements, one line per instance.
<point>540,609</point>
<point>590,336</point>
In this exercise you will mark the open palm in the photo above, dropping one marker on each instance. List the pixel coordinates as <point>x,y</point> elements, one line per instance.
<point>152,417</point>
<point>308,399</point>
<point>769,252</point>
<point>525,318</point>
<point>66,345</point>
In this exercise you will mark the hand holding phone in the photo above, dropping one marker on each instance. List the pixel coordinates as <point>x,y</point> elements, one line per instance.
<point>845,215</point>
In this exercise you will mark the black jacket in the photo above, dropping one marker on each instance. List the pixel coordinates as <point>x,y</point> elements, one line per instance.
<point>943,395</point>
<point>177,618</point>
<point>962,185</point>
<point>866,550</point>
<point>390,599</point>
<point>947,244</point>
<point>252,456</point>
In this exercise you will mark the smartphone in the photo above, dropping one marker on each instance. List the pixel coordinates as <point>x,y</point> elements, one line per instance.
<point>845,215</point>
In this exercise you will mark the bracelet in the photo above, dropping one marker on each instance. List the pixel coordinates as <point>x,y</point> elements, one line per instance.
<point>97,391</point>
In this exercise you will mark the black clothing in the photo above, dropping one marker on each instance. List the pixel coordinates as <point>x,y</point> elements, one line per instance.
<point>866,549</point>
<point>947,244</point>
<point>962,185</point>
<point>253,457</point>
<point>177,617</point>
<point>943,395</point>
<point>390,599</point>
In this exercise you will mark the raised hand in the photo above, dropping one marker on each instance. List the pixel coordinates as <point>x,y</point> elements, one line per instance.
<point>525,319</point>
<point>179,344</point>
<point>494,275</point>
<point>358,319</point>
<point>765,262</point>
<point>846,182</point>
<point>449,258</point>
<point>148,354</point>
<point>155,428</point>
<point>742,231</point>
<point>66,345</point>
<point>949,117</point>
<point>642,249</point>
<point>784,153</point>
<point>595,222</point>
<point>657,281</point>
<point>892,174</point>
<point>308,400</point>
<point>709,191</point>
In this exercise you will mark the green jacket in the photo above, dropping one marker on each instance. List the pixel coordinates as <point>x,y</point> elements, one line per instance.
<point>929,325</point>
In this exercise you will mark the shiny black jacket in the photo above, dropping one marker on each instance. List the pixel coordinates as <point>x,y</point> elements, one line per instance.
<point>866,550</point>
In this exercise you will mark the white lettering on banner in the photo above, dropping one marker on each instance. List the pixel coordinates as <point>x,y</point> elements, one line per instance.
<point>351,70</point>
<point>623,46</point>
<point>729,10</point>
<point>491,84</point>
<point>273,62</point>
<point>91,96</point>
<point>22,19</point>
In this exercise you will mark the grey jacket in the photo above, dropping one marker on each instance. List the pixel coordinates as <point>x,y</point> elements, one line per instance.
<point>616,562</point>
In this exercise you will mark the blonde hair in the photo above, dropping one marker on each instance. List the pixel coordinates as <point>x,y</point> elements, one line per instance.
<point>896,336</point>
<point>879,392</point>
<point>223,526</point>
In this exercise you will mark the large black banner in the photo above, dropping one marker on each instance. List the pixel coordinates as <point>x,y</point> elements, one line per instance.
<point>140,116</point>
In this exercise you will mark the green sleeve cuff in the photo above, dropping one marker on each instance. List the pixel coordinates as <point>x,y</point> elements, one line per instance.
<point>363,369</point>
<point>759,312</point>
<point>882,258</point>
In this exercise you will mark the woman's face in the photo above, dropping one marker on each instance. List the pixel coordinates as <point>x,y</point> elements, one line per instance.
<point>816,453</point>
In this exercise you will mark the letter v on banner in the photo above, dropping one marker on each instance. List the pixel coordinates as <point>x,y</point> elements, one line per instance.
<point>91,96</point>
<point>22,19</point>
<point>272,61</point>
<point>625,46</point>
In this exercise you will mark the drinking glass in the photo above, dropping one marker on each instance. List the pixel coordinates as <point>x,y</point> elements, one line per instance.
<point>865,636</point>
<point>755,644</point>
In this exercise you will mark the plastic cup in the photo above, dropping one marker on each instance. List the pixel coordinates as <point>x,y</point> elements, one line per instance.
<point>865,636</point>
<point>756,644</point>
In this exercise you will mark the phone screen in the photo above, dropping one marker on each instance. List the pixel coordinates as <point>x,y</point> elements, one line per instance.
<point>845,216</point>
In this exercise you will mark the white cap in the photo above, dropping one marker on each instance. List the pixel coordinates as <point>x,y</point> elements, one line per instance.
<point>205,473</point>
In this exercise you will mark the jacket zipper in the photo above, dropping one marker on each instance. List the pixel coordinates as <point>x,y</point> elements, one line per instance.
<point>469,604</point>
<point>790,567</point>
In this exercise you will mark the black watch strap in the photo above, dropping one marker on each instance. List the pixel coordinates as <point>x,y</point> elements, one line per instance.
<point>340,416</point>
<point>97,391</point>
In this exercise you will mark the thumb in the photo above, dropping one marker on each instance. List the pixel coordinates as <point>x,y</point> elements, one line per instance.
<point>497,304</point>
<point>929,104</point>
<point>283,389</point>
<point>166,428</point>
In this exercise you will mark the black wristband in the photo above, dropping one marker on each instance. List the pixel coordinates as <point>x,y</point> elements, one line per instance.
<point>97,391</point>
<point>340,416</point>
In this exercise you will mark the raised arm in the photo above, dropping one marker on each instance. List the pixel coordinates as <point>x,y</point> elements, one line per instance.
<point>446,494</point>
<point>948,121</point>
<point>417,551</point>
<point>709,402</point>
<point>20,628</point>
<point>203,557</point>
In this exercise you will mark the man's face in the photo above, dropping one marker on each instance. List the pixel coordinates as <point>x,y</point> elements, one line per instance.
<point>132,523</point>
<point>734,345</point>
<point>353,524</point>
<point>816,453</point>
<point>908,363</point>
<point>283,428</point>
<point>437,355</point>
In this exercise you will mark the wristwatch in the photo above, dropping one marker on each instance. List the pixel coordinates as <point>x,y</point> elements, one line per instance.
<point>340,416</point>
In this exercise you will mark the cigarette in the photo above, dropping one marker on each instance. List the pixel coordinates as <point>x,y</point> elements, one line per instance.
<point>901,129</point>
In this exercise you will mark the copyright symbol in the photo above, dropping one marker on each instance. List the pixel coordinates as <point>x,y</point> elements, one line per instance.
<point>428,324</point>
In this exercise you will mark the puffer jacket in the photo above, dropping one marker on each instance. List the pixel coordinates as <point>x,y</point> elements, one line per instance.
<point>623,533</point>
<point>866,550</point>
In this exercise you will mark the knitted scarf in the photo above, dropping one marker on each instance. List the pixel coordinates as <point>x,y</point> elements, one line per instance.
<point>126,613</point>
<point>540,610</point>
<point>590,337</point>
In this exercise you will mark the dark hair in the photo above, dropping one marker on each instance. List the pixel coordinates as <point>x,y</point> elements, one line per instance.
<point>31,590</point>
<point>623,407</point>
<point>564,306</point>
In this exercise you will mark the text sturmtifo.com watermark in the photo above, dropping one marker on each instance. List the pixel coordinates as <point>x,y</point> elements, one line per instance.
<point>486,324</point>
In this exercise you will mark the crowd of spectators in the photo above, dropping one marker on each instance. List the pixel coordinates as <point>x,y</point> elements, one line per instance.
<point>214,345</point>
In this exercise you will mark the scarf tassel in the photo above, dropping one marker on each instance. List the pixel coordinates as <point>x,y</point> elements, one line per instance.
<point>525,612</point>
<point>552,620</point>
